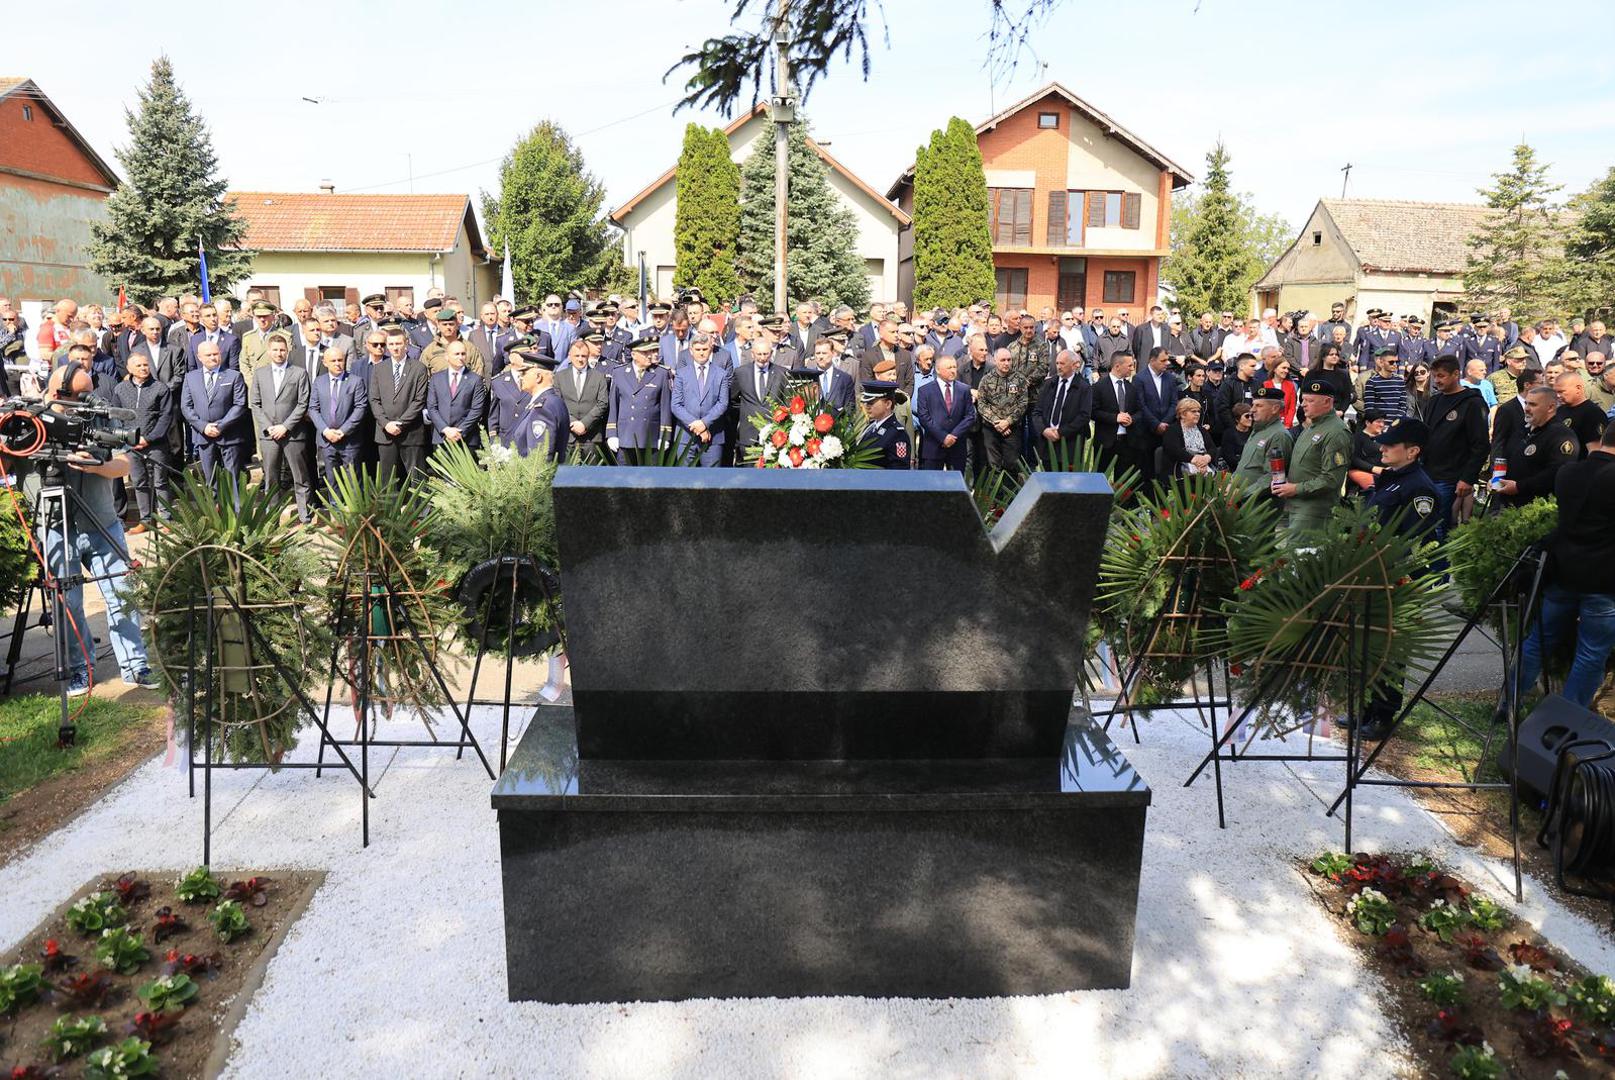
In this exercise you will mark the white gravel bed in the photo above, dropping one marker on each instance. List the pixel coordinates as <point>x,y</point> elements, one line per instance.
<point>397,968</point>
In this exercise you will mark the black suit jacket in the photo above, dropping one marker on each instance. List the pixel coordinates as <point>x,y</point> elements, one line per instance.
<point>1075,411</point>
<point>1507,422</point>
<point>743,397</point>
<point>1144,340</point>
<point>404,402</point>
<point>1106,406</point>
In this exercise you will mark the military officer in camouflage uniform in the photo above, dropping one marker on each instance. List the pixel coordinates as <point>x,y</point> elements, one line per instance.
<point>1268,439</point>
<point>883,430</point>
<point>1028,358</point>
<point>1001,403</point>
<point>1318,462</point>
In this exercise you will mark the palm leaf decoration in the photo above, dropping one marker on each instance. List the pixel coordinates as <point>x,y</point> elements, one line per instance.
<point>221,542</point>
<point>389,586</point>
<point>1289,624</point>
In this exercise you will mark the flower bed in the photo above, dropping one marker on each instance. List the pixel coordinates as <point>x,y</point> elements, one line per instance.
<point>143,973</point>
<point>1475,994</point>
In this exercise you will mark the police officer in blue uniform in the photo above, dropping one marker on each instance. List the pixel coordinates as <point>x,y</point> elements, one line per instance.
<point>1481,345</point>
<point>505,395</point>
<point>639,413</point>
<point>542,421</point>
<point>883,430</point>
<point>615,347</point>
<point>1413,347</point>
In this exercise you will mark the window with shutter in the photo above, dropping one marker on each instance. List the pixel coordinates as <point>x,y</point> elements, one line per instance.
<point>1057,219</point>
<point>1012,216</point>
<point>1096,209</point>
<point>1011,289</point>
<point>1023,217</point>
<point>1132,204</point>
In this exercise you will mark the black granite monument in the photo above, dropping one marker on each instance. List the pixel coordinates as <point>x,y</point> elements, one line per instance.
<point>822,743</point>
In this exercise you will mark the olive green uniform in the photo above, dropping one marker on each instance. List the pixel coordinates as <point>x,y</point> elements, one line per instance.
<point>1029,360</point>
<point>1253,473</point>
<point>1318,465</point>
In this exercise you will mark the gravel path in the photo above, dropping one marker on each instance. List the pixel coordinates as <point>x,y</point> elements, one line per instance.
<point>397,969</point>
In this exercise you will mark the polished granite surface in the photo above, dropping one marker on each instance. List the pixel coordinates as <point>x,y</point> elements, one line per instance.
<point>546,772</point>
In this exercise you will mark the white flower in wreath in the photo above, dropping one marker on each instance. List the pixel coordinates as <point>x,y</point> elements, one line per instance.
<point>799,434</point>
<point>830,447</point>
<point>801,424</point>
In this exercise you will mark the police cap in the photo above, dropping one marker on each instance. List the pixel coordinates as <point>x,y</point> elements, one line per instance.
<point>1409,431</point>
<point>875,389</point>
<point>375,300</point>
<point>646,345</point>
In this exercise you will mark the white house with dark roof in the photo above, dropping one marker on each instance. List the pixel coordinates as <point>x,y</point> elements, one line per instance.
<point>1399,256</point>
<point>646,220</point>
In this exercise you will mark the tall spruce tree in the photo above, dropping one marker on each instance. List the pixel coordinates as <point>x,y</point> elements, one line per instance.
<point>172,198</point>
<point>1216,251</point>
<point>706,230</point>
<point>822,261</point>
<point>1590,249</point>
<point>548,209</point>
<point>953,246</point>
<point>1514,256</point>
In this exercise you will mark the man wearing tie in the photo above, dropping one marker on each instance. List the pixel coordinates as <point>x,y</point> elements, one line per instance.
<point>214,405</point>
<point>1060,418</point>
<point>1113,402</point>
<point>279,401</point>
<point>835,386</point>
<point>456,400</point>
<point>552,325</point>
<point>398,388</point>
<point>229,345</point>
<point>699,402</point>
<point>639,416</point>
<point>339,411</point>
<point>755,385</point>
<point>1157,405</point>
<point>585,390</point>
<point>944,414</point>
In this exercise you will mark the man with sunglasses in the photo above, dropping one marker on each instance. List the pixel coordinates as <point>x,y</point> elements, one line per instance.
<point>13,348</point>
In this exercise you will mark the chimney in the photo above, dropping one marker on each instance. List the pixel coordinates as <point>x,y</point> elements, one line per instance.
<point>327,188</point>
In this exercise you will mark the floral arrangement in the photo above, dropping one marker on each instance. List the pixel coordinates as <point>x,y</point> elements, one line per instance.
<point>795,435</point>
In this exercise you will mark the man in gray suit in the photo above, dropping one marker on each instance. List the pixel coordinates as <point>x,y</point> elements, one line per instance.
<point>331,335</point>
<point>585,390</point>
<point>279,403</point>
<point>754,386</point>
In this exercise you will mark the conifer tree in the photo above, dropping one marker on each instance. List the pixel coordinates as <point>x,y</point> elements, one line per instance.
<point>549,210</point>
<point>1216,254</point>
<point>172,197</point>
<point>1590,249</point>
<point>706,229</point>
<point>822,261</point>
<point>953,247</point>
<point>1513,256</point>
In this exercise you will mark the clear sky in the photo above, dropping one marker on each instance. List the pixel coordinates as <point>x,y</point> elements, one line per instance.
<point>1424,99</point>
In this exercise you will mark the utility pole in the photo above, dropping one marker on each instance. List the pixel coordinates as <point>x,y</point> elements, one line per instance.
<point>1345,179</point>
<point>783,113</point>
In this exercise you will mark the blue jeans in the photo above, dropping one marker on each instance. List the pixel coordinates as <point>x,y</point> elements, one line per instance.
<point>1446,495</point>
<point>1595,640</point>
<point>99,558</point>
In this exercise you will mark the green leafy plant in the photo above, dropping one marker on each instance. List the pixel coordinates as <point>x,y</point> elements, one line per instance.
<point>121,950</point>
<point>1443,920</point>
<point>1483,549</point>
<point>197,886</point>
<point>1372,912</point>
<point>96,912</point>
<point>71,1036</point>
<point>1523,988</point>
<point>1476,1063</point>
<point>1419,865</point>
<point>1488,915</point>
<point>1445,989</point>
<point>229,920</point>
<point>20,984</point>
<point>1331,864</point>
<point>168,993</point>
<point>17,565</point>
<point>219,546</point>
<point>131,1057</point>
<point>1593,1000</point>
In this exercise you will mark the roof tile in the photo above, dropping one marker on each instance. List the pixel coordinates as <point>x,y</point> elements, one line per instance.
<point>1398,235</point>
<point>303,221</point>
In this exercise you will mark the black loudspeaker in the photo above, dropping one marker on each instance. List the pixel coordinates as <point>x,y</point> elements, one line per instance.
<point>1554,723</point>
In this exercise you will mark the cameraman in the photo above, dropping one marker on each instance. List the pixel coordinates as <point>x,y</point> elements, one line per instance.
<point>95,537</point>
<point>1578,600</point>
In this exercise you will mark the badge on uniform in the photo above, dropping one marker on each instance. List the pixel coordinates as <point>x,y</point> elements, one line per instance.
<point>1529,450</point>
<point>1340,459</point>
<point>1568,449</point>
<point>1453,415</point>
<point>1424,505</point>
<point>901,449</point>
<point>1318,437</point>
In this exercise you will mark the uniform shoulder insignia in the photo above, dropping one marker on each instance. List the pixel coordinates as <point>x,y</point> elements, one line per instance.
<point>1567,448</point>
<point>1424,505</point>
<point>901,449</point>
<point>1340,459</point>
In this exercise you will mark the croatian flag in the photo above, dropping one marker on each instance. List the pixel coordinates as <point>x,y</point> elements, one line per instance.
<point>201,256</point>
<point>507,287</point>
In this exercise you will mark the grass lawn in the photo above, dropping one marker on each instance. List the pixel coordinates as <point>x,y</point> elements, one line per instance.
<point>1436,742</point>
<point>28,751</point>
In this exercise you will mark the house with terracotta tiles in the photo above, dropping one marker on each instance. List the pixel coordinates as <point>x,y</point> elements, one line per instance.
<point>52,186</point>
<point>1080,207</point>
<point>646,220</point>
<point>339,247</point>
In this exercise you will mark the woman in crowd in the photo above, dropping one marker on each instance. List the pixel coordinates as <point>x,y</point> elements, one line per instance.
<point>1184,443</point>
<point>1277,374</point>
<point>1418,382</point>
<point>1330,367</point>
<point>1232,446</point>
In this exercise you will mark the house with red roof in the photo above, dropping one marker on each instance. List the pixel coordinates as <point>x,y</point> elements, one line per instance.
<point>325,246</point>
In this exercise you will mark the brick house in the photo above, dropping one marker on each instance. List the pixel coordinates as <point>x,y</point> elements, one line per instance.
<point>1080,207</point>
<point>52,185</point>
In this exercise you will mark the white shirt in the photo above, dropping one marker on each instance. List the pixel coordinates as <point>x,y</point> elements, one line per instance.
<point>1546,347</point>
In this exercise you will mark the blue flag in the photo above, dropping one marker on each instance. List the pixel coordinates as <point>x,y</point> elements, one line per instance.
<point>201,256</point>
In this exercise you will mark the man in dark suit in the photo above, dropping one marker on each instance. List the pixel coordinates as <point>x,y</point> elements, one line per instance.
<point>152,402</point>
<point>836,387</point>
<point>944,414</point>
<point>700,401</point>
<point>1114,402</point>
<point>279,400</point>
<point>398,387</point>
<point>168,362</point>
<point>213,402</point>
<point>484,337</point>
<point>457,399</point>
<point>585,390</point>
<point>1151,335</point>
<point>229,344</point>
<point>1157,394</point>
<point>1060,417</point>
<point>340,413</point>
<point>754,385</point>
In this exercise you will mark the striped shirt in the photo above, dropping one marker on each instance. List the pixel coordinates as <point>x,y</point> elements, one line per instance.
<point>1388,395</point>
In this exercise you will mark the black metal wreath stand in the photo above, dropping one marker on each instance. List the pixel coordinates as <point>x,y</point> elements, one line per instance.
<point>512,571</point>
